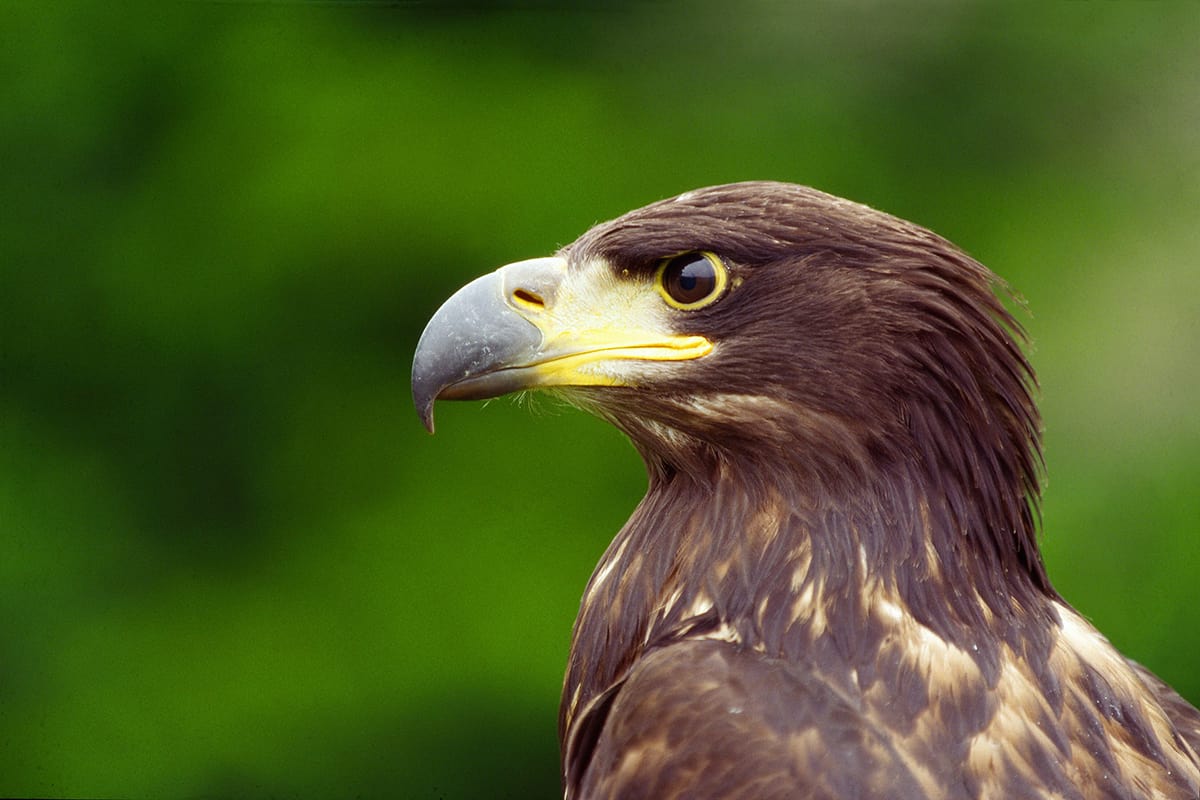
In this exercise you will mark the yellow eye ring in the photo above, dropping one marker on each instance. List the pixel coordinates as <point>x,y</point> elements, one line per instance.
<point>691,280</point>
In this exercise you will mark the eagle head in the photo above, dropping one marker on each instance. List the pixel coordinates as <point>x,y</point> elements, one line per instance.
<point>773,326</point>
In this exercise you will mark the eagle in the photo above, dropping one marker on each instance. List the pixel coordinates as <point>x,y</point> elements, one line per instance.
<point>832,587</point>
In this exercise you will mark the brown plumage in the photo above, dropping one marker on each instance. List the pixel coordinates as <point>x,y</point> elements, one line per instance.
<point>832,588</point>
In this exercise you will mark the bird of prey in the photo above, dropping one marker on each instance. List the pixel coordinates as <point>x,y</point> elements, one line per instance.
<point>832,588</point>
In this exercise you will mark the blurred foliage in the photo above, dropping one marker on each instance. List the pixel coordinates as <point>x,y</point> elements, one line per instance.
<point>232,564</point>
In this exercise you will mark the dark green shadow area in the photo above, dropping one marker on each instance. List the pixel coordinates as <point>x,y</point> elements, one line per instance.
<point>410,754</point>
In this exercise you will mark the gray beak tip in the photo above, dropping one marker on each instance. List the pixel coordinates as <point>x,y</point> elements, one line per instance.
<point>476,343</point>
<point>425,390</point>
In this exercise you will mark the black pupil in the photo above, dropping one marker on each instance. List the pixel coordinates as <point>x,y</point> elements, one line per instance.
<point>689,278</point>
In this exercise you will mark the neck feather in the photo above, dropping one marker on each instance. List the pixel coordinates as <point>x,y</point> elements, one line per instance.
<point>743,555</point>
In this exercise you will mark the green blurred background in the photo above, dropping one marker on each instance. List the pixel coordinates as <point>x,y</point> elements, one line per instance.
<point>232,564</point>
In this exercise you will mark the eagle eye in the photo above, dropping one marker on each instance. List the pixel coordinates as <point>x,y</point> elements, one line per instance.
<point>691,280</point>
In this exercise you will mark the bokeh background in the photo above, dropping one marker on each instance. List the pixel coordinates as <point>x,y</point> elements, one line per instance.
<point>232,563</point>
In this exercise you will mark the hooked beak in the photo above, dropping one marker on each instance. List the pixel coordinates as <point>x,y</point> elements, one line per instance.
<point>533,324</point>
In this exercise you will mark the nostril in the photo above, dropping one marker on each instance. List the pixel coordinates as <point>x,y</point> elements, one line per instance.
<point>529,299</point>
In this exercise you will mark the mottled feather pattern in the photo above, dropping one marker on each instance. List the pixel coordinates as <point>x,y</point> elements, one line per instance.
<point>833,588</point>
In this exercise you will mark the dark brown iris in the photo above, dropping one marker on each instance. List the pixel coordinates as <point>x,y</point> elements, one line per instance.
<point>691,279</point>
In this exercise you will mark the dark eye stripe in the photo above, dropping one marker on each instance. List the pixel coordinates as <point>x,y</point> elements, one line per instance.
<point>691,280</point>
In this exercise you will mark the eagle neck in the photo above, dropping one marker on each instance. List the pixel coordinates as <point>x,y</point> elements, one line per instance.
<point>794,571</point>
